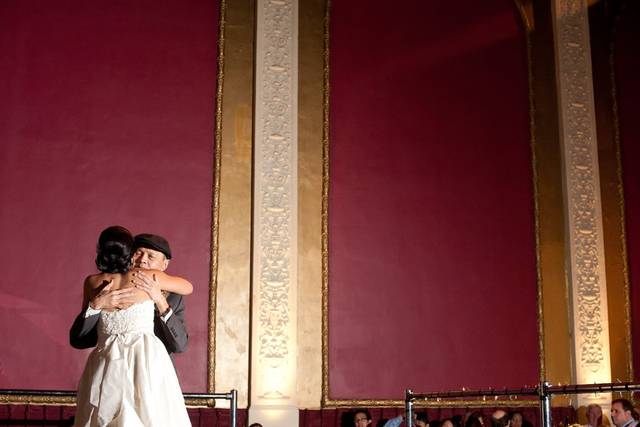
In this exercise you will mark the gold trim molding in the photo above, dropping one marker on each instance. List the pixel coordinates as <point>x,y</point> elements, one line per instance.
<point>525,7</point>
<point>32,399</point>
<point>325,401</point>
<point>215,228</point>
<point>621,202</point>
<point>39,399</point>
<point>444,403</point>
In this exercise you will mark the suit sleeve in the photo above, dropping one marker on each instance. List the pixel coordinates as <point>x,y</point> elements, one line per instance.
<point>394,422</point>
<point>84,332</point>
<point>173,333</point>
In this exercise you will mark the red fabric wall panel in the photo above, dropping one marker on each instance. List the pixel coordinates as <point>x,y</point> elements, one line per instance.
<point>107,117</point>
<point>627,66</point>
<point>432,274</point>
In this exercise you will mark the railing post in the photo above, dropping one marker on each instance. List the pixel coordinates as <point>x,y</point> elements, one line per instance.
<point>234,408</point>
<point>545,404</point>
<point>408,407</point>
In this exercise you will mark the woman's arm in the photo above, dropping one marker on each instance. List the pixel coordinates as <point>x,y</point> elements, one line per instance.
<point>89,290</point>
<point>174,284</point>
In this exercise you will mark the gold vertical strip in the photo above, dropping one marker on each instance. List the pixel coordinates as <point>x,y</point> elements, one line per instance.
<point>310,145</point>
<point>621,204</point>
<point>536,207</point>
<point>233,281</point>
<point>325,207</point>
<point>215,215</point>
<point>601,27</point>
<point>555,361</point>
<point>526,14</point>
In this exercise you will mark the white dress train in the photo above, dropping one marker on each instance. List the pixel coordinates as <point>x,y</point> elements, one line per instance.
<point>129,379</point>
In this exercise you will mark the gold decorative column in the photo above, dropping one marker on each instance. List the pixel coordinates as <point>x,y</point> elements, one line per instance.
<point>311,96</point>
<point>233,289</point>
<point>273,392</point>
<point>583,210</point>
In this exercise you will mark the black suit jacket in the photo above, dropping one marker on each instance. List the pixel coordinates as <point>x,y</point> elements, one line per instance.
<point>173,333</point>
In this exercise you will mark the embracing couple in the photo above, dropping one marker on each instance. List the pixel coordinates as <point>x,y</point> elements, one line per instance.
<point>133,314</point>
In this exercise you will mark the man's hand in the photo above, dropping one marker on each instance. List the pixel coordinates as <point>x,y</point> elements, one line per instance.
<point>108,299</point>
<point>150,285</point>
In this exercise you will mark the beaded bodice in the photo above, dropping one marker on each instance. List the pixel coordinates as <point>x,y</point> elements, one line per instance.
<point>136,318</point>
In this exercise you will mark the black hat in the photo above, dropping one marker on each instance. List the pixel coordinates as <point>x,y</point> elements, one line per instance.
<point>152,241</point>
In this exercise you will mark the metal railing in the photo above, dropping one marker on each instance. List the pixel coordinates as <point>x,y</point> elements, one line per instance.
<point>232,396</point>
<point>544,391</point>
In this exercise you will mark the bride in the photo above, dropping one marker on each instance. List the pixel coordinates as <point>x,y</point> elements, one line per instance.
<point>129,379</point>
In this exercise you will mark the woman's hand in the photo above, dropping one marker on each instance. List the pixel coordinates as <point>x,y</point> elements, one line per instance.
<point>109,300</point>
<point>150,285</point>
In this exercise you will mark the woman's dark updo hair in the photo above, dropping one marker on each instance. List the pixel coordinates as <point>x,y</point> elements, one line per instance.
<point>114,250</point>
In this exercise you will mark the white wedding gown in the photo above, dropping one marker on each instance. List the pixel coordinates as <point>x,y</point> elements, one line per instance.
<point>129,380</point>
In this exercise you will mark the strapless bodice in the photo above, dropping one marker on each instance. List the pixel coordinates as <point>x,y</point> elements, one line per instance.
<point>136,318</point>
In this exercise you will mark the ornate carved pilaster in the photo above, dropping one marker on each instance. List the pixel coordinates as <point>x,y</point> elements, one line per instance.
<point>274,342</point>
<point>585,245</point>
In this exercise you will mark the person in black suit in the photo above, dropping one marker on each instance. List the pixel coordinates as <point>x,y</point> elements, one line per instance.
<point>150,252</point>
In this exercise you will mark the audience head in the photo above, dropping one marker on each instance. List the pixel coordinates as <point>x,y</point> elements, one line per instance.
<point>516,419</point>
<point>500,419</point>
<point>256,425</point>
<point>594,414</point>
<point>447,422</point>
<point>114,250</point>
<point>361,417</point>
<point>421,419</point>
<point>474,420</point>
<point>621,412</point>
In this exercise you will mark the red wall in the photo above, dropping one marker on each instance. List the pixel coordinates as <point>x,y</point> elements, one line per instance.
<point>627,66</point>
<point>107,117</point>
<point>432,265</point>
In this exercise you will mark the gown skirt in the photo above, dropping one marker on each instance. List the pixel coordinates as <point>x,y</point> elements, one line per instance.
<point>129,379</point>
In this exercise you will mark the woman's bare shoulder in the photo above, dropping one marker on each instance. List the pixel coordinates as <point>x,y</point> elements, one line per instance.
<point>95,281</point>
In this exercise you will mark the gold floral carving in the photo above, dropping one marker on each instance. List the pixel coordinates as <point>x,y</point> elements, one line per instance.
<point>275,186</point>
<point>582,187</point>
<point>274,238</point>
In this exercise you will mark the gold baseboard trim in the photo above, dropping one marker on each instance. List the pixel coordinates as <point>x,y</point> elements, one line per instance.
<point>39,399</point>
<point>371,403</point>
